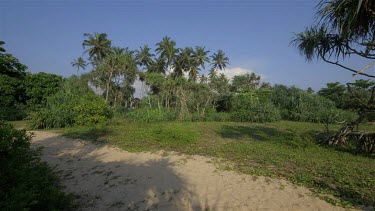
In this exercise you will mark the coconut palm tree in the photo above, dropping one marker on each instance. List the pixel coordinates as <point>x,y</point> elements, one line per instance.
<point>158,66</point>
<point>199,57</point>
<point>178,66</point>
<point>219,60</point>
<point>79,63</point>
<point>98,46</point>
<point>203,79</point>
<point>187,58</point>
<point>1,48</point>
<point>144,57</point>
<point>166,49</point>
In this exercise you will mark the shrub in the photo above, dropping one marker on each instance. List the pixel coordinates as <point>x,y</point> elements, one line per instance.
<point>248,108</point>
<point>71,106</point>
<point>91,111</point>
<point>260,112</point>
<point>26,183</point>
<point>298,105</point>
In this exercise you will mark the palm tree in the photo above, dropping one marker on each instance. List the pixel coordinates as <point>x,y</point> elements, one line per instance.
<point>212,75</point>
<point>186,58</point>
<point>98,46</point>
<point>350,18</point>
<point>158,66</point>
<point>199,57</point>
<point>203,79</point>
<point>79,63</point>
<point>1,48</point>
<point>178,66</point>
<point>144,57</point>
<point>219,60</point>
<point>166,49</point>
<point>118,50</point>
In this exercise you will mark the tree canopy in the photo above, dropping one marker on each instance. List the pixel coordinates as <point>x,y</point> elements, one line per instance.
<point>344,28</point>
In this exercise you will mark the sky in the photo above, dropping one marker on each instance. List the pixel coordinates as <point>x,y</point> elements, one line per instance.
<point>255,34</point>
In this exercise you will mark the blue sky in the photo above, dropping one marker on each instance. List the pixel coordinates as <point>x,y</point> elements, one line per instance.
<point>255,35</point>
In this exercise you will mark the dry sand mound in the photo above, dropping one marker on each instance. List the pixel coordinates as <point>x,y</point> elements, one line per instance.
<point>106,178</point>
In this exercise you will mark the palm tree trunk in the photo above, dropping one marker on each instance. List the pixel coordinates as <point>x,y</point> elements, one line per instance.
<point>108,84</point>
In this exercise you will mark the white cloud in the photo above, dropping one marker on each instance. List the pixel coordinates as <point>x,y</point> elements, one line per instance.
<point>231,72</point>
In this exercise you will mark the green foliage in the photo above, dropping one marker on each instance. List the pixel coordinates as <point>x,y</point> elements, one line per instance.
<point>75,104</point>
<point>10,66</point>
<point>21,92</point>
<point>299,105</point>
<point>91,110</point>
<point>334,115</point>
<point>246,82</point>
<point>39,86</point>
<point>336,92</point>
<point>360,92</point>
<point>247,107</point>
<point>12,94</point>
<point>26,183</point>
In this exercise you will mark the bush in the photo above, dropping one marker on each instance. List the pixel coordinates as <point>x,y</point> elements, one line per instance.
<point>16,112</point>
<point>260,112</point>
<point>26,183</point>
<point>71,106</point>
<point>298,105</point>
<point>248,108</point>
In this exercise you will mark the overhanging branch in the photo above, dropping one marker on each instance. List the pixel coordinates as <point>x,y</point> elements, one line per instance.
<point>347,68</point>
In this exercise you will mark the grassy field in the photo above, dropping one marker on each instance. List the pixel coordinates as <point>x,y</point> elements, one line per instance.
<point>283,149</point>
<point>19,124</point>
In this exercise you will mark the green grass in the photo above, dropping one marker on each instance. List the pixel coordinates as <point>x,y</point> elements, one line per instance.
<point>282,149</point>
<point>18,124</point>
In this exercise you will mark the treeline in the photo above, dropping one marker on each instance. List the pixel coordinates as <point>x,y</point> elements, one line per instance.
<point>173,88</point>
<point>22,92</point>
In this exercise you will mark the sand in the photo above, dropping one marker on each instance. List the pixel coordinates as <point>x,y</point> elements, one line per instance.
<point>103,177</point>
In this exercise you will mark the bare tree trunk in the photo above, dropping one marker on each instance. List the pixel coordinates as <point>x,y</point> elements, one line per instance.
<point>108,84</point>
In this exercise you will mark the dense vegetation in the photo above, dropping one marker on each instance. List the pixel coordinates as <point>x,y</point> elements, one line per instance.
<point>26,183</point>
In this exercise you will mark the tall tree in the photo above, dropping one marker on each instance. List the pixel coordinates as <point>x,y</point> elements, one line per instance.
<point>1,48</point>
<point>166,49</point>
<point>79,63</point>
<point>246,82</point>
<point>98,46</point>
<point>144,60</point>
<point>345,28</point>
<point>219,60</point>
<point>144,57</point>
<point>199,58</point>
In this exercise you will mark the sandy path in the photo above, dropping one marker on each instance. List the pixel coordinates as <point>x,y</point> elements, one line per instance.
<point>107,178</point>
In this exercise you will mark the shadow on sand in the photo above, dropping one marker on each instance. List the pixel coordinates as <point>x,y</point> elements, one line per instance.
<point>103,178</point>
